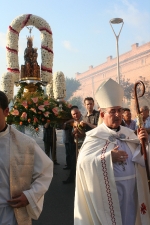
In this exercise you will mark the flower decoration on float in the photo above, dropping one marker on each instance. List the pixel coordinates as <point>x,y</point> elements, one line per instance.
<point>34,109</point>
<point>49,89</point>
<point>59,87</point>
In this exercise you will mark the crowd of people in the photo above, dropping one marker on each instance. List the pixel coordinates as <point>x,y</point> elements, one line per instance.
<point>80,137</point>
<point>88,121</point>
<point>103,154</point>
<point>111,179</point>
<point>75,131</point>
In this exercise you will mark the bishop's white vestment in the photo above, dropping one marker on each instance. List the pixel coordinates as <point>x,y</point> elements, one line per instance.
<point>24,167</point>
<point>110,193</point>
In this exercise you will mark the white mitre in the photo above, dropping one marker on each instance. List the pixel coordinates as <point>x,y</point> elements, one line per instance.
<point>109,94</point>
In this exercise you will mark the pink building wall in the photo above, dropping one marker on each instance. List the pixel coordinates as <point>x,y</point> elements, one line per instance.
<point>133,64</point>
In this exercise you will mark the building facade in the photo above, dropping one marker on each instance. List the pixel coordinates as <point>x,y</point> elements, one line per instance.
<point>133,64</point>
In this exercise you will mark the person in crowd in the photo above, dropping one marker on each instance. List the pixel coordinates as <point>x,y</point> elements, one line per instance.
<point>67,136</point>
<point>25,173</point>
<point>144,110</point>
<point>111,180</point>
<point>90,119</point>
<point>127,119</point>
<point>66,140</point>
<point>49,138</point>
<point>76,140</point>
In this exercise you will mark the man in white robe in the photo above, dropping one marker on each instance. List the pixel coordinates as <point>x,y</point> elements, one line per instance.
<point>111,181</point>
<point>25,174</point>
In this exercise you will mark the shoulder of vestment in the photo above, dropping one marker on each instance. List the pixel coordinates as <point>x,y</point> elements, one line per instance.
<point>20,136</point>
<point>103,132</point>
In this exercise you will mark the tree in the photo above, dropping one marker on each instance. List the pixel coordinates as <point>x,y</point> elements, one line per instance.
<point>77,101</point>
<point>147,85</point>
<point>128,88</point>
<point>72,85</point>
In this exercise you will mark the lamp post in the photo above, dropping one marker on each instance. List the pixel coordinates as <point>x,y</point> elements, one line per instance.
<point>117,21</point>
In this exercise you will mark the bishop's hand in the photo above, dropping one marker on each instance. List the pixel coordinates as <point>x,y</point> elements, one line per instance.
<point>118,156</point>
<point>142,134</point>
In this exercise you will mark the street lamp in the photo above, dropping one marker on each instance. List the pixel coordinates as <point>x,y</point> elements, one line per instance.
<point>117,21</point>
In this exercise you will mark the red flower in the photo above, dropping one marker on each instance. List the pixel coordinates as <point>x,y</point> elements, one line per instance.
<point>46,102</point>
<point>33,110</point>
<point>24,103</point>
<point>23,116</point>
<point>55,111</point>
<point>143,208</point>
<point>35,100</point>
<point>46,114</point>
<point>41,107</point>
<point>15,112</point>
<point>35,120</point>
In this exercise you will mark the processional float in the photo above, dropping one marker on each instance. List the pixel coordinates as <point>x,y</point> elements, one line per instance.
<point>31,106</point>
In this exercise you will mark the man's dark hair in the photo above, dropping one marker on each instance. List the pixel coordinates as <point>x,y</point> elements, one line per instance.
<point>89,99</point>
<point>3,101</point>
<point>126,109</point>
<point>74,107</point>
<point>145,107</point>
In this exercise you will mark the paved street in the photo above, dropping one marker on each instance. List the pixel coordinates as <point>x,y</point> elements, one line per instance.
<point>59,200</point>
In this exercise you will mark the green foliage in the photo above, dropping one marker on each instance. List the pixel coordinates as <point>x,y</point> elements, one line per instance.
<point>72,85</point>
<point>20,91</point>
<point>33,109</point>
<point>128,88</point>
<point>147,85</point>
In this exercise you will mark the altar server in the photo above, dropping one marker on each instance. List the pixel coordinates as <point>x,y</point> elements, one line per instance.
<point>25,173</point>
<point>111,181</point>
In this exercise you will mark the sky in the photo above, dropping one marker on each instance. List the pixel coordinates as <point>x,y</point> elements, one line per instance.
<point>82,35</point>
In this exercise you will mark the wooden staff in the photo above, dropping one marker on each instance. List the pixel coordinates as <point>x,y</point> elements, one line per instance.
<point>140,124</point>
<point>76,138</point>
<point>76,148</point>
<point>53,145</point>
<point>80,132</point>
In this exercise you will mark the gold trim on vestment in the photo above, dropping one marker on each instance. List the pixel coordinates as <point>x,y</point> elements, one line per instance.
<point>21,169</point>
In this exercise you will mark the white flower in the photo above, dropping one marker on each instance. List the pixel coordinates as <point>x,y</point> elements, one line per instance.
<point>12,45</point>
<point>49,89</point>
<point>59,85</point>
<point>7,84</point>
<point>46,76</point>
